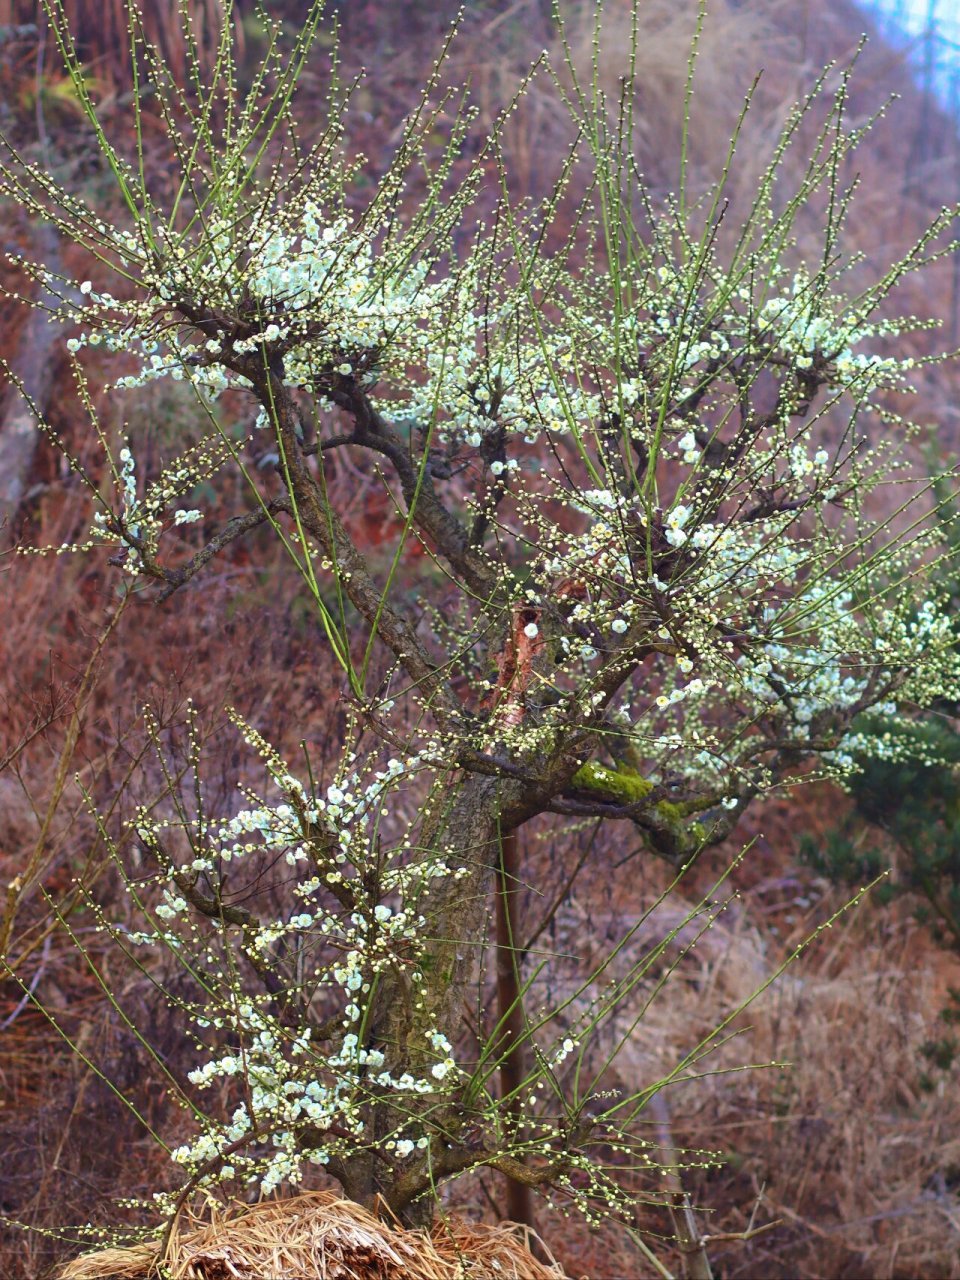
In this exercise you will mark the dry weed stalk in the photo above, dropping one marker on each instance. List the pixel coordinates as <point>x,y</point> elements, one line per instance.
<point>101,29</point>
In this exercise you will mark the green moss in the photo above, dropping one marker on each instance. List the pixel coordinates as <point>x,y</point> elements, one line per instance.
<point>625,785</point>
<point>628,786</point>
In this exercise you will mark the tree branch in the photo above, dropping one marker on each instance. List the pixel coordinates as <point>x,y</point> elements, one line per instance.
<point>432,518</point>
<point>233,529</point>
<point>324,524</point>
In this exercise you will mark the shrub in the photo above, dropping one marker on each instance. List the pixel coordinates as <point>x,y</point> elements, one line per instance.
<point>660,575</point>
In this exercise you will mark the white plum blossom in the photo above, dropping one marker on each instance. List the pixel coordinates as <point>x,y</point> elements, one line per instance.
<point>676,519</point>
<point>299,1083</point>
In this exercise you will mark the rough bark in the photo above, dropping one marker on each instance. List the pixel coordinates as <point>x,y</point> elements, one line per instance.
<point>518,1199</point>
<point>463,829</point>
<point>33,369</point>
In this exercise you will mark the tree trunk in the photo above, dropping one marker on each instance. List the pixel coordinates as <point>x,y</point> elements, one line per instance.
<point>462,827</point>
<point>34,366</point>
<point>519,1200</point>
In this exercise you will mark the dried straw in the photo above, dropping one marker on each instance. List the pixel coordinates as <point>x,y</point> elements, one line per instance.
<point>318,1236</point>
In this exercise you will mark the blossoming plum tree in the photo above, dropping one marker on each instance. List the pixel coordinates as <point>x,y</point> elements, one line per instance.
<point>651,464</point>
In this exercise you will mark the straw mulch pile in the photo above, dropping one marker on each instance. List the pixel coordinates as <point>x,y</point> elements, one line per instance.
<point>318,1236</point>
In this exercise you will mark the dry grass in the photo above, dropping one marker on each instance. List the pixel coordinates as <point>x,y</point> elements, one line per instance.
<point>847,1148</point>
<point>318,1237</point>
<point>844,1147</point>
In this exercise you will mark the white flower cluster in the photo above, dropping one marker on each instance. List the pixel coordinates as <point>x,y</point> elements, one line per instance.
<point>311,1101</point>
<point>746,613</point>
<point>482,374</point>
<point>805,322</point>
<point>303,1099</point>
<point>138,523</point>
<point>315,294</point>
<point>809,680</point>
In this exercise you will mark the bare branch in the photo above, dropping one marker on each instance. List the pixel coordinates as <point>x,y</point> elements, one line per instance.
<point>231,531</point>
